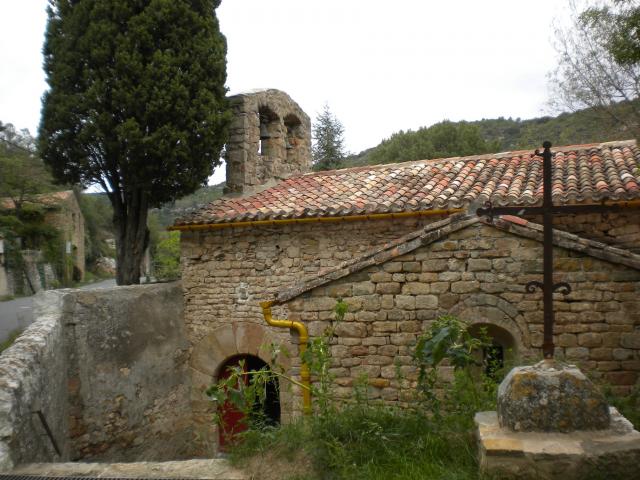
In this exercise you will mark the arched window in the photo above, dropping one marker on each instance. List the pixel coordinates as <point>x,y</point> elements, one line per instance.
<point>294,134</point>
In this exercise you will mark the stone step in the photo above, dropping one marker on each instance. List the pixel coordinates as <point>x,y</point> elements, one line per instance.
<point>203,469</point>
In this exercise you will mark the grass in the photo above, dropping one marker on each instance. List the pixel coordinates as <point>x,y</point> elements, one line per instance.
<point>372,442</point>
<point>10,339</point>
<point>628,406</point>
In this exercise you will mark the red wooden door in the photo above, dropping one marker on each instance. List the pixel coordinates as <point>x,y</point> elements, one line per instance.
<point>232,420</point>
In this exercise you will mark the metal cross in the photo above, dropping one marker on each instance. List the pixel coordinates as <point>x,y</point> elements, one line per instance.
<point>547,210</point>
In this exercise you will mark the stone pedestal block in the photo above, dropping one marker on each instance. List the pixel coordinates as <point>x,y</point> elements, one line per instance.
<point>602,454</point>
<point>550,397</point>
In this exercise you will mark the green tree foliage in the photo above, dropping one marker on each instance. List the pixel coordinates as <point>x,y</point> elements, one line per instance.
<point>328,141</point>
<point>23,176</point>
<point>25,229</point>
<point>169,212</point>
<point>22,173</point>
<point>97,213</point>
<point>507,134</point>
<point>597,67</point>
<point>136,105</point>
<point>167,256</point>
<point>445,139</point>
<point>624,18</point>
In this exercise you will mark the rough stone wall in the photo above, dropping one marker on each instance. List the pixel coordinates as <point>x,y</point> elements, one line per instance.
<point>621,229</point>
<point>128,384</point>
<point>478,274</point>
<point>36,274</point>
<point>227,272</point>
<point>287,151</point>
<point>108,371</point>
<point>32,380</point>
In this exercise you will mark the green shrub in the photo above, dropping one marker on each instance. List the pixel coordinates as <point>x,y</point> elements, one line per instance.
<point>167,257</point>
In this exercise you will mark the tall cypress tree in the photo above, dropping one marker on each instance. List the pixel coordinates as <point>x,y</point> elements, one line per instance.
<point>136,105</point>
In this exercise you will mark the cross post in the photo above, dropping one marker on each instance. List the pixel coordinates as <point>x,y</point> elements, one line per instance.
<point>546,210</point>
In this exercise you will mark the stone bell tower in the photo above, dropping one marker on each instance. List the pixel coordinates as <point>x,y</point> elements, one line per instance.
<point>270,139</point>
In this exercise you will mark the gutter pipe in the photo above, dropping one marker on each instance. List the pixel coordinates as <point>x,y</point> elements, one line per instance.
<point>348,218</point>
<point>301,328</point>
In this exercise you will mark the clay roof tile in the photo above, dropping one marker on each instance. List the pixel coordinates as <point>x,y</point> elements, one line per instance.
<point>582,173</point>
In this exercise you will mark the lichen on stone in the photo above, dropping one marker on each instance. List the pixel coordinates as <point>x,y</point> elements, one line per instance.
<point>550,397</point>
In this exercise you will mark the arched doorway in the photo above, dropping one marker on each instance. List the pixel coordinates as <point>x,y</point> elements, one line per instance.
<point>501,351</point>
<point>233,421</point>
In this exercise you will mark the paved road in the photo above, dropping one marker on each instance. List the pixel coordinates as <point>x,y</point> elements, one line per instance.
<point>18,313</point>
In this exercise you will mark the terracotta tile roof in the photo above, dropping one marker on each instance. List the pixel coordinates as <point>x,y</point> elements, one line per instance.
<point>436,231</point>
<point>50,199</point>
<point>582,174</point>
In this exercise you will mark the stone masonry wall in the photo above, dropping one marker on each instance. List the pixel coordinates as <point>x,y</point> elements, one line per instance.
<point>107,370</point>
<point>478,274</point>
<point>68,218</point>
<point>620,229</point>
<point>32,380</point>
<point>128,385</point>
<point>227,272</point>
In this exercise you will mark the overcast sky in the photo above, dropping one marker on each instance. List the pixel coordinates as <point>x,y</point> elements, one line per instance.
<point>382,66</point>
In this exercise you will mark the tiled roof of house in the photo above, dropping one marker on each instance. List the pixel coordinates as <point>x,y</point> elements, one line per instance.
<point>582,174</point>
<point>50,199</point>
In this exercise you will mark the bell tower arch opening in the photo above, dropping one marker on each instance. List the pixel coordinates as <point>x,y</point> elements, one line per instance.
<point>294,137</point>
<point>269,132</point>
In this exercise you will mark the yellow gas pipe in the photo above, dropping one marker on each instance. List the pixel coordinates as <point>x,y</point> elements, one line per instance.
<point>299,327</point>
<point>291,221</point>
<point>347,218</point>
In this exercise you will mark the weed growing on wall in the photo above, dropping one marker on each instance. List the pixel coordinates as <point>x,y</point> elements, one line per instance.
<point>449,342</point>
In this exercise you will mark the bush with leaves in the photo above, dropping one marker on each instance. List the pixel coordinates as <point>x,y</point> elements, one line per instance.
<point>167,256</point>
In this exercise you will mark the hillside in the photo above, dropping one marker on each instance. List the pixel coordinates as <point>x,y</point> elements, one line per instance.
<point>169,212</point>
<point>446,139</point>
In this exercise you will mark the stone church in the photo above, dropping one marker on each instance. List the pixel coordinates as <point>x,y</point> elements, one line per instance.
<point>401,245</point>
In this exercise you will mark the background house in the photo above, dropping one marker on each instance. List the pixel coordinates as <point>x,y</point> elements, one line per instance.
<point>65,255</point>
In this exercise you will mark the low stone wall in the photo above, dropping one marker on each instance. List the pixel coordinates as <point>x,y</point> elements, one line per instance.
<point>107,370</point>
<point>33,389</point>
<point>128,384</point>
